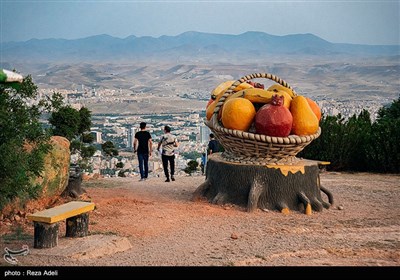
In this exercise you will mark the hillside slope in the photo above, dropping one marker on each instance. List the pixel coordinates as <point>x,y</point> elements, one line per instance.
<point>166,229</point>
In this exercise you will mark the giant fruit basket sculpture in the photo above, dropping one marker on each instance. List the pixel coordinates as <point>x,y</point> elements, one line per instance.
<point>252,147</point>
<point>262,131</point>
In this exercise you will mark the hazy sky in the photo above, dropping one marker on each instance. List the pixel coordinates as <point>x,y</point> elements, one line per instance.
<point>359,22</point>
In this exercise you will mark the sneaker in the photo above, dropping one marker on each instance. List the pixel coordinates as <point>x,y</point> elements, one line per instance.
<point>142,179</point>
<point>167,180</point>
<point>172,178</point>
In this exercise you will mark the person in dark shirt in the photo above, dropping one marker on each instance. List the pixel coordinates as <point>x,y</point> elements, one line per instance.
<point>143,146</point>
<point>213,145</point>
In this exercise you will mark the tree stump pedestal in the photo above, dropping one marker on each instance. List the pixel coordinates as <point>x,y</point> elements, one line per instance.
<point>45,235</point>
<point>295,186</point>
<point>77,226</point>
<point>74,188</point>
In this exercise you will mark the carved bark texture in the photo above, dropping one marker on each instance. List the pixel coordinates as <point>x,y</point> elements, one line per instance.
<point>74,188</point>
<point>254,186</point>
<point>45,235</point>
<point>77,226</point>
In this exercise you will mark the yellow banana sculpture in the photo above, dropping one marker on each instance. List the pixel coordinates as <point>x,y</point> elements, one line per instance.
<point>222,87</point>
<point>257,95</point>
<point>279,87</point>
<point>243,86</point>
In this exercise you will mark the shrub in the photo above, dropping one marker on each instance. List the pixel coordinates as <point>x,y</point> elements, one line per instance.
<point>19,129</point>
<point>357,144</point>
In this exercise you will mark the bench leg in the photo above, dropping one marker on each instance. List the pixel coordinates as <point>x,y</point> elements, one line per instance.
<point>77,226</point>
<point>45,235</point>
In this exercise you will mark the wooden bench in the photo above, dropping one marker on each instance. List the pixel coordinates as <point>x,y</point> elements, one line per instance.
<point>46,222</point>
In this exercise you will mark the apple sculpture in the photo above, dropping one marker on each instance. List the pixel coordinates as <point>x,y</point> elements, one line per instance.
<point>274,119</point>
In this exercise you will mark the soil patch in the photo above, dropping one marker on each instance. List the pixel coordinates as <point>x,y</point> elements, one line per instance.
<point>165,228</point>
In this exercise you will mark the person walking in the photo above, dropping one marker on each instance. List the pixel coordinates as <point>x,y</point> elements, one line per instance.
<point>203,163</point>
<point>213,145</point>
<point>143,146</point>
<point>168,142</point>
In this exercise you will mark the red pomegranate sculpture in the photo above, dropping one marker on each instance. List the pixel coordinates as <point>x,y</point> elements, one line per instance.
<point>274,119</point>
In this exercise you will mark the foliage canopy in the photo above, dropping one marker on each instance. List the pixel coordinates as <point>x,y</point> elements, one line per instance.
<point>358,144</point>
<point>23,141</point>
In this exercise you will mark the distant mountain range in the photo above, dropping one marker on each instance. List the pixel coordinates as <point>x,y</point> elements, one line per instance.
<point>188,46</point>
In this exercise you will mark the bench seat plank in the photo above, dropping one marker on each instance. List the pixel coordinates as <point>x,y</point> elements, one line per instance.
<point>61,212</point>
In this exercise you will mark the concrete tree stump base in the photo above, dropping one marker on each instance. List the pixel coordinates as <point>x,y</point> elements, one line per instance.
<point>275,187</point>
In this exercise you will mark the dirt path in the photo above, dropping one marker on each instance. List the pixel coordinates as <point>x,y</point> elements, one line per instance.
<point>166,229</point>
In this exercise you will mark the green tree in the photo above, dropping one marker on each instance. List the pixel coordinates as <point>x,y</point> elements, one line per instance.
<point>65,122</point>
<point>122,172</point>
<point>109,149</point>
<point>75,126</point>
<point>19,129</point>
<point>87,151</point>
<point>361,128</point>
<point>191,155</point>
<point>391,112</point>
<point>191,167</point>
<point>357,144</point>
<point>343,142</point>
<point>85,120</point>
<point>386,139</point>
<point>325,147</point>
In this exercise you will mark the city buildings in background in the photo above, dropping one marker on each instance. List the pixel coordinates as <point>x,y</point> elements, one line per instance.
<point>189,127</point>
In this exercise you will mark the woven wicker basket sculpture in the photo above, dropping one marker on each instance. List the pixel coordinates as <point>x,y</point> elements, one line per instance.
<point>251,148</point>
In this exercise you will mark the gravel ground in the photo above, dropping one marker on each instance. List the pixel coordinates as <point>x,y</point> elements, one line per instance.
<point>165,228</point>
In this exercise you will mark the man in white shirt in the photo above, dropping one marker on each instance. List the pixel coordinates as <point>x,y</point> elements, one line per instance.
<point>168,142</point>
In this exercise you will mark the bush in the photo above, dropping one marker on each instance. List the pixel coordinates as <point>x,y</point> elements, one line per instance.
<point>357,144</point>
<point>75,126</point>
<point>19,129</point>
<point>191,167</point>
